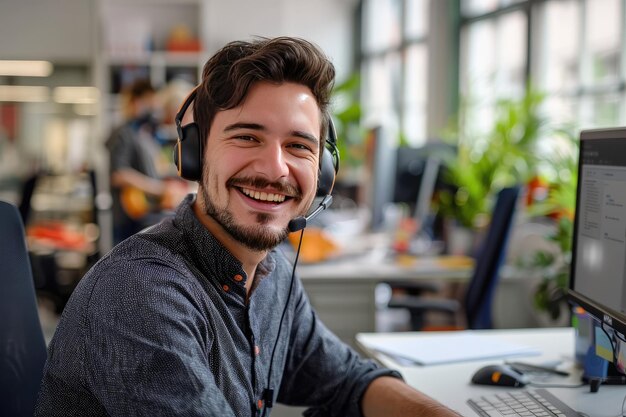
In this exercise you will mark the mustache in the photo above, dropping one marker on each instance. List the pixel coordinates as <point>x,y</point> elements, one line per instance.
<point>283,187</point>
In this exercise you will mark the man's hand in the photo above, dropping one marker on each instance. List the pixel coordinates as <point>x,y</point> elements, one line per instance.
<point>387,396</point>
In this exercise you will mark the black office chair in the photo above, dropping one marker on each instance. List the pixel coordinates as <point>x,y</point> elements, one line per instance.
<point>481,287</point>
<point>22,344</point>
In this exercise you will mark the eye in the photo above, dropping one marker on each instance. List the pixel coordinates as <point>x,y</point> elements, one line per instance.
<point>245,138</point>
<point>301,146</point>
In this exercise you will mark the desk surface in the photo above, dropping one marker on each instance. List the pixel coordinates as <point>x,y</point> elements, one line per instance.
<point>450,383</point>
<point>342,291</point>
<point>377,268</point>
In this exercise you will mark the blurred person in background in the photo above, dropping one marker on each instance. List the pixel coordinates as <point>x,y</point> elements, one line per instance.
<point>141,195</point>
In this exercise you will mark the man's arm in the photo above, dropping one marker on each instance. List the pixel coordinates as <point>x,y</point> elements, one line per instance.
<point>130,177</point>
<point>146,343</point>
<point>389,397</point>
<point>321,371</point>
<point>123,150</point>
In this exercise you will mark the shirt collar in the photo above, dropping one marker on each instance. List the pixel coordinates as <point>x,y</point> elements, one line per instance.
<point>209,255</point>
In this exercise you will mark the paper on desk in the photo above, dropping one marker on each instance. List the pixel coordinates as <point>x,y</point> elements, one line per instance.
<point>447,348</point>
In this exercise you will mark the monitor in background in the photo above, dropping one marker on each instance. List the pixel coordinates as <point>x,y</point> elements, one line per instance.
<point>379,163</point>
<point>598,269</point>
<point>419,173</point>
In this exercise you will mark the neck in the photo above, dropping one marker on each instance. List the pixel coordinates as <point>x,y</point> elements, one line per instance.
<point>249,258</point>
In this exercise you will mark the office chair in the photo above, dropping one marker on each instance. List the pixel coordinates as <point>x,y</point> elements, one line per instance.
<point>478,298</point>
<point>22,345</point>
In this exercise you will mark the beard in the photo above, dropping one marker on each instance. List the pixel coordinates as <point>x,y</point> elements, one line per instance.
<point>257,237</point>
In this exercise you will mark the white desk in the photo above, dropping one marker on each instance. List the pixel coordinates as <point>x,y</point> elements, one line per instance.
<point>450,384</point>
<point>342,291</point>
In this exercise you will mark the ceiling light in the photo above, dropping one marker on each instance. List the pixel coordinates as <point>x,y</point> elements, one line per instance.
<point>26,68</point>
<point>76,95</point>
<point>24,93</point>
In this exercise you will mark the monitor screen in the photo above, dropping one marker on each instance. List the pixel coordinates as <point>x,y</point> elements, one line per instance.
<point>598,274</point>
<point>419,175</point>
<point>415,181</point>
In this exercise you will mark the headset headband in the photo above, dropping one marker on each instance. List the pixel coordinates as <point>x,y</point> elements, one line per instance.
<point>178,120</point>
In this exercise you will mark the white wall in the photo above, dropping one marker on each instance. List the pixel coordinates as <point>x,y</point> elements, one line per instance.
<point>56,30</point>
<point>328,23</point>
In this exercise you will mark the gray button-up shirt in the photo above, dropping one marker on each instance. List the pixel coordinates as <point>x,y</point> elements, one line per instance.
<point>160,326</point>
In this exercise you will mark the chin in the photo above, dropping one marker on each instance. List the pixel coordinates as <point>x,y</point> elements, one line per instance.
<point>259,237</point>
<point>274,229</point>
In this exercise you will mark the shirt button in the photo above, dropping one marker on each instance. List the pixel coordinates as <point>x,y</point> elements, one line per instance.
<point>225,287</point>
<point>238,278</point>
<point>257,350</point>
<point>259,404</point>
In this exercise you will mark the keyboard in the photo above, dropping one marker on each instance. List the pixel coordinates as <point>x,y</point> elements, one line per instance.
<point>521,403</point>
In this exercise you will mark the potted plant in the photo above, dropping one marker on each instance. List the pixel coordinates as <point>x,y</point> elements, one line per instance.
<point>488,161</point>
<point>347,117</point>
<point>559,204</point>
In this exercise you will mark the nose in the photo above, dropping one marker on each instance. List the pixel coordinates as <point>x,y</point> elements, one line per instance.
<point>272,162</point>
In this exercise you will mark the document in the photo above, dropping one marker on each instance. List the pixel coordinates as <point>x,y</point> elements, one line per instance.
<point>448,348</point>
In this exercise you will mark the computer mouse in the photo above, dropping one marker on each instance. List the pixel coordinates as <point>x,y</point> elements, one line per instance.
<point>502,375</point>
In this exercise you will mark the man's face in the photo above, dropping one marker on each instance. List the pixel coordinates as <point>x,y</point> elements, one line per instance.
<point>261,163</point>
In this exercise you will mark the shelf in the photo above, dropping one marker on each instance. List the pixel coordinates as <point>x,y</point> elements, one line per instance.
<point>158,58</point>
<point>142,42</point>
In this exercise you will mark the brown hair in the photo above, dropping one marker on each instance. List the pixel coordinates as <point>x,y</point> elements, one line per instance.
<point>228,75</point>
<point>140,88</point>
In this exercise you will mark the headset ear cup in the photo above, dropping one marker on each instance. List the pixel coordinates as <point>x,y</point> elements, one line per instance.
<point>326,176</point>
<point>189,152</point>
<point>329,162</point>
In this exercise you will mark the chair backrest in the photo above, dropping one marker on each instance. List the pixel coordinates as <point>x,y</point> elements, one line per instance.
<point>481,288</point>
<point>22,345</point>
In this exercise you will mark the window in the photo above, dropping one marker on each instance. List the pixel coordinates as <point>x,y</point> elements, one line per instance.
<point>493,61</point>
<point>394,65</point>
<point>575,56</point>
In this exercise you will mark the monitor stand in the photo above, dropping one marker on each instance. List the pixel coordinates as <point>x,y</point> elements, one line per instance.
<point>610,376</point>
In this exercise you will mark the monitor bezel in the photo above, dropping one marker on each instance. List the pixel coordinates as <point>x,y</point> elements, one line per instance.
<point>603,313</point>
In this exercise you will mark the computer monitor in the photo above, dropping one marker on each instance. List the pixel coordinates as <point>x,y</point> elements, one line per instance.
<point>416,177</point>
<point>419,175</point>
<point>598,267</point>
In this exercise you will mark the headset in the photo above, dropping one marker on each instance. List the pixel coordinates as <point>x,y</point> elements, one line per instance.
<point>189,152</point>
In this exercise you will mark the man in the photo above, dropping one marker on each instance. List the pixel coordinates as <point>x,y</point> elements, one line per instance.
<point>197,316</point>
<point>139,192</point>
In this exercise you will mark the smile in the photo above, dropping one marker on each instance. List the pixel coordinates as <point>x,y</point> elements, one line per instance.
<point>263,196</point>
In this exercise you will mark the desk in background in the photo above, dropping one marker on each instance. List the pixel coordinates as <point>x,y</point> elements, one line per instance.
<point>343,291</point>
<point>450,383</point>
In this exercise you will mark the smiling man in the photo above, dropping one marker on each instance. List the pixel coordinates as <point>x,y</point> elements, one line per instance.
<point>200,315</point>
<point>261,162</point>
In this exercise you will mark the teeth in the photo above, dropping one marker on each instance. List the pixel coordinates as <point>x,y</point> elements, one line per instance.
<point>263,196</point>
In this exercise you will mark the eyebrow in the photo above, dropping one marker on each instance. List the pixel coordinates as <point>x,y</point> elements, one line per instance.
<point>256,126</point>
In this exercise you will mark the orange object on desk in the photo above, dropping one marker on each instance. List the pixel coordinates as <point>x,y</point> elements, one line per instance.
<point>455,261</point>
<point>445,261</point>
<point>317,245</point>
<point>403,234</point>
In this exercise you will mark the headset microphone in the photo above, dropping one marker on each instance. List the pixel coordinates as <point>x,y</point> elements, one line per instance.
<point>300,222</point>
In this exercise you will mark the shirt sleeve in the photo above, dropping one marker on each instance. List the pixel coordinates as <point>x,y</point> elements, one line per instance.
<point>321,370</point>
<point>147,343</point>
